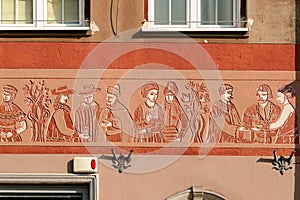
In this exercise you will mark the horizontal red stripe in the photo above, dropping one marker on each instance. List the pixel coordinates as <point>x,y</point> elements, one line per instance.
<point>218,151</point>
<point>253,56</point>
<point>53,55</point>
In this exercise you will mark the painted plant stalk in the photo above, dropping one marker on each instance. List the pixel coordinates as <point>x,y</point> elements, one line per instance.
<point>38,102</point>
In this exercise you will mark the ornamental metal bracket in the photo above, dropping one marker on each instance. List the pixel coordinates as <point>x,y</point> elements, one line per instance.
<point>281,163</point>
<point>122,162</point>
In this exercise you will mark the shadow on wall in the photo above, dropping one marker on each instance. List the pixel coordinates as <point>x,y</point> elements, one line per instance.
<point>297,88</point>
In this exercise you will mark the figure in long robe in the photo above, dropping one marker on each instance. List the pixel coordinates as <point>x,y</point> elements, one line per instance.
<point>86,115</point>
<point>12,118</point>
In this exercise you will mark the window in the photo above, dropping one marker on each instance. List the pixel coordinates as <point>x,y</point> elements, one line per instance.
<point>47,186</point>
<point>44,14</point>
<point>196,15</point>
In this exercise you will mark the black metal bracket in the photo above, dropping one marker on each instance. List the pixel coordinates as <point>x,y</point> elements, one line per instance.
<point>281,163</point>
<point>122,162</point>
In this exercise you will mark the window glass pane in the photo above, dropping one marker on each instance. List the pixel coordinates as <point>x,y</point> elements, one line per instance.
<point>25,12</point>
<point>54,11</point>
<point>8,9</point>
<point>71,11</point>
<point>44,196</point>
<point>87,12</point>
<point>208,8</point>
<point>225,12</point>
<point>161,12</point>
<point>178,12</point>
<point>45,191</point>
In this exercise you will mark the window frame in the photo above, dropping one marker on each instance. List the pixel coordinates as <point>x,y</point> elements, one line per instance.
<point>196,192</point>
<point>40,21</point>
<point>193,16</point>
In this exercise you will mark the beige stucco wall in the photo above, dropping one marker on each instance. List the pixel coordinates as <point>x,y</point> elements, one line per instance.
<point>237,178</point>
<point>274,21</point>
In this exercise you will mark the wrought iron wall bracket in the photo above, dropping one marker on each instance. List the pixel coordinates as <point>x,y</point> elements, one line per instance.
<point>122,162</point>
<point>281,163</point>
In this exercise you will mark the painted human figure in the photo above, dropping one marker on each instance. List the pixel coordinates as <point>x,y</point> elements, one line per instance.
<point>12,118</point>
<point>86,115</point>
<point>286,125</point>
<point>224,121</point>
<point>176,122</point>
<point>149,116</point>
<point>260,115</point>
<point>115,118</point>
<point>264,112</point>
<point>60,127</point>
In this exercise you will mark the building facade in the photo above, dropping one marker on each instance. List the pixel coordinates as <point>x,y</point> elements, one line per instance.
<point>203,92</point>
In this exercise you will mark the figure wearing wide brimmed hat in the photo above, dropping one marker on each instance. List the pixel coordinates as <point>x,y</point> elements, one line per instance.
<point>12,118</point>
<point>88,90</point>
<point>149,116</point>
<point>60,126</point>
<point>115,118</point>
<point>86,120</point>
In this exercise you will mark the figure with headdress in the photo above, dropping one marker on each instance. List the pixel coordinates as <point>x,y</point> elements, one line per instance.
<point>12,118</point>
<point>86,115</point>
<point>60,127</point>
<point>286,125</point>
<point>115,118</point>
<point>175,122</point>
<point>149,116</point>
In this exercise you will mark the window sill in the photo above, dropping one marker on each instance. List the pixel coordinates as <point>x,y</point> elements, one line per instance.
<point>195,33</point>
<point>154,29</point>
<point>33,28</point>
<point>45,32</point>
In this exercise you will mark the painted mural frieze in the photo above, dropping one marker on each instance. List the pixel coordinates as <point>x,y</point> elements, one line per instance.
<point>173,112</point>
